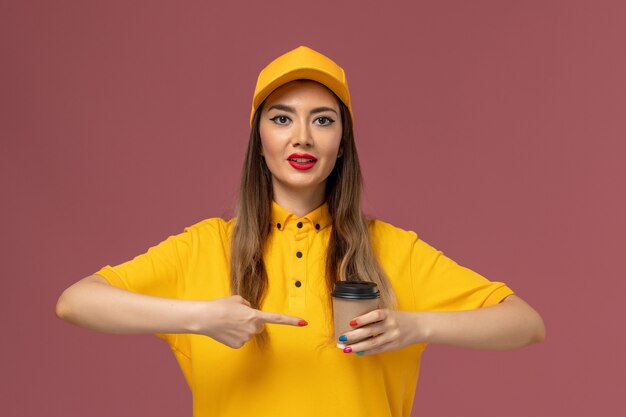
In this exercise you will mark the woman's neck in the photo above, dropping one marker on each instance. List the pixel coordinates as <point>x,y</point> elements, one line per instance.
<point>299,202</point>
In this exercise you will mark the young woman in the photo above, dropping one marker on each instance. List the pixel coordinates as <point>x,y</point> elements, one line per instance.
<point>211,290</point>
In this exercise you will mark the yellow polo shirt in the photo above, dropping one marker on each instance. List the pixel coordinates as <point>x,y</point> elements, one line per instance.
<point>299,373</point>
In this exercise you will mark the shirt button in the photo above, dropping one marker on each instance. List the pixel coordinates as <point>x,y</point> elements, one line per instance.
<point>298,284</point>
<point>278,226</point>
<point>299,254</point>
<point>317,227</point>
<point>299,225</point>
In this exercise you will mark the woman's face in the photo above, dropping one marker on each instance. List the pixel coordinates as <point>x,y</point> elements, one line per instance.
<point>301,132</point>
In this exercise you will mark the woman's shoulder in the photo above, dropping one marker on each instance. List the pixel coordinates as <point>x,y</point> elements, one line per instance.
<point>212,223</point>
<point>382,230</point>
<point>212,228</point>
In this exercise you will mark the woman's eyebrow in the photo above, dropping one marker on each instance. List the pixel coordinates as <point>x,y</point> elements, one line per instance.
<point>282,107</point>
<point>290,109</point>
<point>323,109</point>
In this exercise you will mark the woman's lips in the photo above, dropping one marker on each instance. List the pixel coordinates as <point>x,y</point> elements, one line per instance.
<point>301,161</point>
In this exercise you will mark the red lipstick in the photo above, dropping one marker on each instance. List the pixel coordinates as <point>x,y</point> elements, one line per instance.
<point>301,161</point>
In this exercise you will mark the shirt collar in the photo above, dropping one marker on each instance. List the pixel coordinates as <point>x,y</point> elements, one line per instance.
<point>283,219</point>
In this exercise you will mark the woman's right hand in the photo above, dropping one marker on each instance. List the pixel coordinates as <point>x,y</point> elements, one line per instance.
<point>95,304</point>
<point>232,321</point>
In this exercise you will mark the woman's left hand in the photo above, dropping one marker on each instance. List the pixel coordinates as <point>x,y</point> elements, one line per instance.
<point>381,331</point>
<point>508,325</point>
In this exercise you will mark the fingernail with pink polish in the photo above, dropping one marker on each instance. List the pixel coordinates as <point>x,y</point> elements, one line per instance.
<point>347,349</point>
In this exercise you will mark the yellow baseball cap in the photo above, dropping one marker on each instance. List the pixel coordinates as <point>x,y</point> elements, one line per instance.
<point>302,63</point>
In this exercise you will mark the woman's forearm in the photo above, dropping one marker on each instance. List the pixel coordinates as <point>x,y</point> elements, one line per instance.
<point>508,325</point>
<point>93,303</point>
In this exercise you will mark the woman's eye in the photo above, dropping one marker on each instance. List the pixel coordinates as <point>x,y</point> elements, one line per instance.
<point>324,121</point>
<point>280,120</point>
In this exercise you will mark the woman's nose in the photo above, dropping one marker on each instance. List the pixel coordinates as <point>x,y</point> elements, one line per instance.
<point>302,134</point>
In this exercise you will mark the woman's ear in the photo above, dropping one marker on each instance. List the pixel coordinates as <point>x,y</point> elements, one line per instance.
<point>340,153</point>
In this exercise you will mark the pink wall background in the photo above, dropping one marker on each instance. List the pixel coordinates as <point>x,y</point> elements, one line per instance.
<point>494,129</point>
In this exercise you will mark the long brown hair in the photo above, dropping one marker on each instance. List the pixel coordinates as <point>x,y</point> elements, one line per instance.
<point>350,255</point>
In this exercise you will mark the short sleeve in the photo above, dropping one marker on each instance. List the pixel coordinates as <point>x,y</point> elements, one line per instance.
<point>159,272</point>
<point>440,284</point>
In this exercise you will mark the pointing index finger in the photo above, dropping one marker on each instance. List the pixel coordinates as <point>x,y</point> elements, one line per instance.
<point>277,318</point>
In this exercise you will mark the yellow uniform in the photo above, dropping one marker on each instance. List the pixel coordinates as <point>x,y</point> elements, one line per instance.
<point>301,372</point>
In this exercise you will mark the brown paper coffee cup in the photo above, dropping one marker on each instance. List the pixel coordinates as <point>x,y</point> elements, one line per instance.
<point>352,299</point>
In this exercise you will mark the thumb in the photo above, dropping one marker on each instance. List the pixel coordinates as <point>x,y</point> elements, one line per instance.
<point>277,318</point>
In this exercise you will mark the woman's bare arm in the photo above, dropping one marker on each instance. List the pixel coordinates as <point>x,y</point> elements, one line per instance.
<point>508,325</point>
<point>95,304</point>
